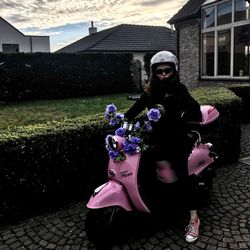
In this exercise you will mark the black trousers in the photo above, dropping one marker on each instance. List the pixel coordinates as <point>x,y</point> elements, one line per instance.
<point>177,151</point>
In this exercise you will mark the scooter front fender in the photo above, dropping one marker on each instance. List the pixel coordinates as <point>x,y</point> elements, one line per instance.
<point>110,194</point>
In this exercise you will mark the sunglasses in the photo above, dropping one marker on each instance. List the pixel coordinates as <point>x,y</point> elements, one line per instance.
<point>166,71</point>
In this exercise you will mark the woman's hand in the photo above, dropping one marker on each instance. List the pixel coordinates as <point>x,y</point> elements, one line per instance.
<point>161,109</point>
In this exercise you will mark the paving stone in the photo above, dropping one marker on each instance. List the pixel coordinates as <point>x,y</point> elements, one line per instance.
<point>4,247</point>
<point>222,244</point>
<point>201,245</point>
<point>51,246</point>
<point>246,237</point>
<point>43,243</point>
<point>243,245</point>
<point>148,246</point>
<point>11,240</point>
<point>175,247</point>
<point>15,245</point>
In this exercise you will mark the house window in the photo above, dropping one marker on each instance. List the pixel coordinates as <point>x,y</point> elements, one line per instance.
<point>208,17</point>
<point>224,44</point>
<point>241,10</point>
<point>224,13</point>
<point>241,50</point>
<point>225,39</point>
<point>208,54</point>
<point>10,47</point>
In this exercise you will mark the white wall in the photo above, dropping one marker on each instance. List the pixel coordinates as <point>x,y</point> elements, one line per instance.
<point>140,56</point>
<point>40,44</point>
<point>10,35</point>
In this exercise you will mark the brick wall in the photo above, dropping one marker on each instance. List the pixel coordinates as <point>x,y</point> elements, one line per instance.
<point>189,52</point>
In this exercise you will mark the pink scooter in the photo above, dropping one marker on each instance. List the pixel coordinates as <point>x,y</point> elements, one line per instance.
<point>122,190</point>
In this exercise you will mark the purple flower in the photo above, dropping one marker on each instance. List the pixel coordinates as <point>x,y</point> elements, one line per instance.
<point>120,132</point>
<point>137,126</point>
<point>135,140</point>
<point>154,115</point>
<point>111,108</point>
<point>113,154</point>
<point>112,122</point>
<point>119,116</point>
<point>107,115</point>
<point>129,148</point>
<point>148,126</point>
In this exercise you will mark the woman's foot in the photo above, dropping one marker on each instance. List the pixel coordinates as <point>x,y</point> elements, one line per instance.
<point>192,231</point>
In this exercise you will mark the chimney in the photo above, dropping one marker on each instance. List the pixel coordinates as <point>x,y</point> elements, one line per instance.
<point>92,29</point>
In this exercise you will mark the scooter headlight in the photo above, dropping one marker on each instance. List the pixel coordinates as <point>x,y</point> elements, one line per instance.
<point>127,126</point>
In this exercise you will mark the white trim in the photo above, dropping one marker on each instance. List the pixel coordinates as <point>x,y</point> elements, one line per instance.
<point>226,26</point>
<point>215,15</point>
<point>215,53</point>
<point>208,2</point>
<point>232,53</point>
<point>225,77</point>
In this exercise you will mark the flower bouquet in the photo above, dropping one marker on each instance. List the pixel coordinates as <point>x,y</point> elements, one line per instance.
<point>135,135</point>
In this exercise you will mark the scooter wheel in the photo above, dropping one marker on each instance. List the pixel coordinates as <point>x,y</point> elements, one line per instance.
<point>100,226</point>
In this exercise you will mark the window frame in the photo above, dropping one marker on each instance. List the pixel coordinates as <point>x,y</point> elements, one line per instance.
<point>230,26</point>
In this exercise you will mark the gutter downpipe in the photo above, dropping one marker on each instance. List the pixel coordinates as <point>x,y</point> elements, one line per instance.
<point>31,45</point>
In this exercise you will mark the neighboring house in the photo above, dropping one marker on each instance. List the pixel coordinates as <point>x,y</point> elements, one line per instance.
<point>213,41</point>
<point>12,40</point>
<point>136,39</point>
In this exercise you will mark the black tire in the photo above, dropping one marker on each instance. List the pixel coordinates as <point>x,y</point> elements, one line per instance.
<point>101,226</point>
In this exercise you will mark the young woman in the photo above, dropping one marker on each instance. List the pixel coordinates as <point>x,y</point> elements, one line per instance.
<point>169,135</point>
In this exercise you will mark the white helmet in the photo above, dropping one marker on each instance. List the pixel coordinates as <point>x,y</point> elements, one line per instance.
<point>164,57</point>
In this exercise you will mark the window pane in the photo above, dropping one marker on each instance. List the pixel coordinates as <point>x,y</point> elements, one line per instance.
<point>241,10</point>
<point>208,54</point>
<point>208,17</point>
<point>10,47</point>
<point>224,13</point>
<point>241,50</point>
<point>224,41</point>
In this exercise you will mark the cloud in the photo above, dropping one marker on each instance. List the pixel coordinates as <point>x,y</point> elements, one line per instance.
<point>62,14</point>
<point>152,2</point>
<point>52,13</point>
<point>18,19</point>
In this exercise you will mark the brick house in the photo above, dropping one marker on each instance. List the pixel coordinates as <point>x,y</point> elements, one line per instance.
<point>213,42</point>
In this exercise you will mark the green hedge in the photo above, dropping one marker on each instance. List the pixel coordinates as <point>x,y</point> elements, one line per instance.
<point>45,165</point>
<point>243,91</point>
<point>52,76</point>
<point>225,133</point>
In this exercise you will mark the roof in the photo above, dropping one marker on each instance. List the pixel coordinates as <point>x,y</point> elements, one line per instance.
<point>12,26</point>
<point>190,10</point>
<point>126,37</point>
<point>19,30</point>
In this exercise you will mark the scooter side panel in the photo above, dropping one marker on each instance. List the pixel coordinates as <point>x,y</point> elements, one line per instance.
<point>199,159</point>
<point>131,182</point>
<point>110,194</point>
<point>126,173</point>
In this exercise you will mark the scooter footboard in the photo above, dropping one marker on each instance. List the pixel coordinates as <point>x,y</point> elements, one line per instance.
<point>110,194</point>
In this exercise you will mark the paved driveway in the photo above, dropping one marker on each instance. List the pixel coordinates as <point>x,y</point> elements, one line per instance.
<point>225,222</point>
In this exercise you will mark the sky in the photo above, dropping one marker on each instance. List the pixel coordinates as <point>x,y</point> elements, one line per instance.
<point>67,21</point>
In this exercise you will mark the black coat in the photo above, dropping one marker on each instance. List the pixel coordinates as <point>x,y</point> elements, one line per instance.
<point>171,131</point>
